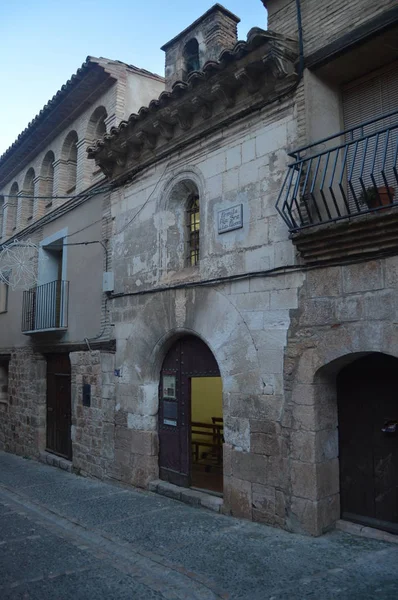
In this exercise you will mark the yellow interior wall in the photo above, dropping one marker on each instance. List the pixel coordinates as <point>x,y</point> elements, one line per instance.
<point>206,398</point>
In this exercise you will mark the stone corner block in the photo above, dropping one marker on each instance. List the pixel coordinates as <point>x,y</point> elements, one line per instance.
<point>238,497</point>
<point>153,485</point>
<point>170,490</point>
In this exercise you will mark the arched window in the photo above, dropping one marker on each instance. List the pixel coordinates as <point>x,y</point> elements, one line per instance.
<point>12,210</point>
<point>193,224</point>
<point>191,56</point>
<point>96,128</point>
<point>180,245</point>
<point>27,202</point>
<point>2,202</point>
<point>47,178</point>
<point>69,155</point>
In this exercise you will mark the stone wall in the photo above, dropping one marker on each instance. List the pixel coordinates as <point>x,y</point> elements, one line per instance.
<point>343,311</point>
<point>245,325</point>
<point>243,165</point>
<point>24,418</point>
<point>3,401</point>
<point>93,427</point>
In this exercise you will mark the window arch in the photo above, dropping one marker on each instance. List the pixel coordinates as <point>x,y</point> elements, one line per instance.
<point>181,243</point>
<point>191,56</point>
<point>47,177</point>
<point>193,224</point>
<point>96,127</point>
<point>27,198</point>
<point>69,156</point>
<point>12,208</point>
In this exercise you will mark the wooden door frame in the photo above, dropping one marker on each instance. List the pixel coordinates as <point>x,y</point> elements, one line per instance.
<point>184,388</point>
<point>57,374</point>
<point>357,517</point>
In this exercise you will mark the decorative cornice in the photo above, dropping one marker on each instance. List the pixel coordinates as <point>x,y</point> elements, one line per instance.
<point>261,68</point>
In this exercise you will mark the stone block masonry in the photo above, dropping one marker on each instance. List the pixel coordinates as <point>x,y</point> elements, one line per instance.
<point>24,416</point>
<point>344,312</point>
<point>93,427</point>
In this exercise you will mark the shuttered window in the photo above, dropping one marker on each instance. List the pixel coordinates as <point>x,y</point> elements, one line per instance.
<point>362,101</point>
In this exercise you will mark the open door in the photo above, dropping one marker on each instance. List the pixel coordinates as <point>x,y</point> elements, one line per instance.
<point>187,360</point>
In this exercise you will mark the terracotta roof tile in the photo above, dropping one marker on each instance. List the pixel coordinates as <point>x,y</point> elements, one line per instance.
<point>112,67</point>
<point>255,38</point>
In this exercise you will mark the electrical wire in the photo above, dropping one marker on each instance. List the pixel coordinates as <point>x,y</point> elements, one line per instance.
<point>35,197</point>
<point>145,203</point>
<point>257,274</point>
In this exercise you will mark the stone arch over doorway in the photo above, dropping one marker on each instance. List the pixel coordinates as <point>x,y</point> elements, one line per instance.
<point>311,371</point>
<point>143,343</point>
<point>190,417</point>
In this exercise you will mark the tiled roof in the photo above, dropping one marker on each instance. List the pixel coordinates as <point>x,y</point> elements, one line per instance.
<point>109,68</point>
<point>256,37</point>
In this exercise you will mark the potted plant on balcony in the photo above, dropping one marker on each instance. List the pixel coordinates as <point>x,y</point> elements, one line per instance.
<point>373,197</point>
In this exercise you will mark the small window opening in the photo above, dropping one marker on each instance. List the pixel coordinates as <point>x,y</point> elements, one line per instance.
<point>191,54</point>
<point>193,218</point>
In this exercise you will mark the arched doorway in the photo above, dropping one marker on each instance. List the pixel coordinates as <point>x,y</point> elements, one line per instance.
<point>190,416</point>
<point>367,394</point>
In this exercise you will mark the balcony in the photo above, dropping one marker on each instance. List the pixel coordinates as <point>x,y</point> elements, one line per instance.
<point>45,308</point>
<point>340,194</point>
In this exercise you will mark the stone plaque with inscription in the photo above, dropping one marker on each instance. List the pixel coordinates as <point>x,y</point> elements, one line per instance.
<point>230,218</point>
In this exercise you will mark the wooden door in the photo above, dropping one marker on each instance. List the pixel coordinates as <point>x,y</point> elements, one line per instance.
<point>368,404</point>
<point>188,357</point>
<point>59,405</point>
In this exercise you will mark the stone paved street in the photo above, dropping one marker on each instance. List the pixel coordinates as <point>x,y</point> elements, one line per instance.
<point>63,536</point>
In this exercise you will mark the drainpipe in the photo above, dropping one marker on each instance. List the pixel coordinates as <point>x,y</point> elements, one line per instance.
<point>300,38</point>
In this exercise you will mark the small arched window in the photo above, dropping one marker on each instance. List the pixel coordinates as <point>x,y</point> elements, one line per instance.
<point>96,128</point>
<point>47,177</point>
<point>28,200</point>
<point>12,211</point>
<point>191,56</point>
<point>193,224</point>
<point>69,155</point>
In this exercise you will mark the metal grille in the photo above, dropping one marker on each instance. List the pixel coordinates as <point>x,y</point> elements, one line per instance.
<point>45,307</point>
<point>193,224</point>
<point>350,178</point>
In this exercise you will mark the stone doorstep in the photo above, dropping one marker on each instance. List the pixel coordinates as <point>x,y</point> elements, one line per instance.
<point>55,461</point>
<point>192,497</point>
<point>368,532</point>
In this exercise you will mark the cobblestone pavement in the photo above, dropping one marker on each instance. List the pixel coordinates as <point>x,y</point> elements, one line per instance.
<point>64,536</point>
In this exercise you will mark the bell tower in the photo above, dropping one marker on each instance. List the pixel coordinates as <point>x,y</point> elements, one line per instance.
<point>202,41</point>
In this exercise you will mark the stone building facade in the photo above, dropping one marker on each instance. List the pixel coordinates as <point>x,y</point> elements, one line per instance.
<point>63,313</point>
<point>253,226</point>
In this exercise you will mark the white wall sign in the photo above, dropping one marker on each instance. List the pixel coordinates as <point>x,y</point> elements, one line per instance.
<point>230,218</point>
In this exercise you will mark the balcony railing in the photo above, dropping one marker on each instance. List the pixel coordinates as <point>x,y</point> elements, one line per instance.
<point>45,307</point>
<point>348,174</point>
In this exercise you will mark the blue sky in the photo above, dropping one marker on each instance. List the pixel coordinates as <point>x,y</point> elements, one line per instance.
<point>43,42</point>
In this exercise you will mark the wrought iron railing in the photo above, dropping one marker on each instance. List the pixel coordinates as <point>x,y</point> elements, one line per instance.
<point>342,176</point>
<point>45,307</point>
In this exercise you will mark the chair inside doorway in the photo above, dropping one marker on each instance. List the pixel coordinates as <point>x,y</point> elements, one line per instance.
<point>207,433</point>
